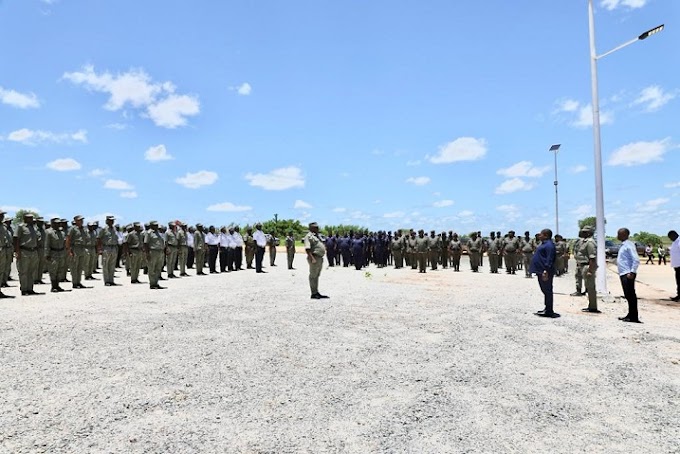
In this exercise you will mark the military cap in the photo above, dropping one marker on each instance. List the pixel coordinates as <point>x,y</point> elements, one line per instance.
<point>110,218</point>
<point>587,229</point>
<point>78,218</point>
<point>171,223</point>
<point>55,220</point>
<point>199,225</point>
<point>62,220</point>
<point>90,224</point>
<point>3,212</point>
<point>511,231</point>
<point>40,219</point>
<point>313,224</point>
<point>258,225</point>
<point>28,215</point>
<point>136,224</point>
<point>153,222</point>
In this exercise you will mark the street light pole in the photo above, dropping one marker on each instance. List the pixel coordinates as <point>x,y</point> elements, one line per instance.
<point>555,148</point>
<point>599,191</point>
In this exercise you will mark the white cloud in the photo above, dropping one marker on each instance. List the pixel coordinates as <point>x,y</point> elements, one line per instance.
<point>511,211</point>
<point>97,172</point>
<point>11,210</point>
<point>117,126</point>
<point>513,185</point>
<point>30,137</point>
<point>395,214</point>
<point>466,214</point>
<point>413,163</point>
<point>613,4</point>
<point>523,169</point>
<point>442,203</point>
<point>172,111</point>
<point>118,185</point>
<point>64,165</point>
<point>157,153</point>
<point>244,89</point>
<point>136,89</point>
<point>128,195</point>
<point>418,181</point>
<point>21,100</point>
<point>584,117</point>
<point>339,210</point>
<point>654,98</point>
<point>360,215</point>
<point>578,169</point>
<point>461,149</point>
<point>198,179</point>
<point>639,153</point>
<point>583,211</point>
<point>229,207</point>
<point>278,179</point>
<point>652,205</point>
<point>301,204</point>
<point>567,105</point>
<point>672,185</point>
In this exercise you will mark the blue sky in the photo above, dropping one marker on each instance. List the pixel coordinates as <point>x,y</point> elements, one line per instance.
<point>387,114</point>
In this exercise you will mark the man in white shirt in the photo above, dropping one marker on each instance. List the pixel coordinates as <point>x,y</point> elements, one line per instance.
<point>675,261</point>
<point>628,262</point>
<point>226,250</point>
<point>238,249</point>
<point>212,241</point>
<point>261,242</point>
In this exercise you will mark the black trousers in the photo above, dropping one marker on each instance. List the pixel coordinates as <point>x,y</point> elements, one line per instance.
<point>259,256</point>
<point>212,258</point>
<point>629,292</point>
<point>677,280</point>
<point>230,259</point>
<point>190,257</point>
<point>547,289</point>
<point>223,259</point>
<point>238,258</point>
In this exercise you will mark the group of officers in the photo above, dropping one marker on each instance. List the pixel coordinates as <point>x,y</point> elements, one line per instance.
<point>56,248</point>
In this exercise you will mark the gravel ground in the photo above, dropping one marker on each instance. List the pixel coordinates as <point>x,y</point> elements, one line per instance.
<point>394,361</point>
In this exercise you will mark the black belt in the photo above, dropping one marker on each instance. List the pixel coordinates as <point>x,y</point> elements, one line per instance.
<point>212,245</point>
<point>32,249</point>
<point>56,249</point>
<point>133,248</point>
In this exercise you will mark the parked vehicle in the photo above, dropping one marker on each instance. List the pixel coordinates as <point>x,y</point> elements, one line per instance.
<point>611,249</point>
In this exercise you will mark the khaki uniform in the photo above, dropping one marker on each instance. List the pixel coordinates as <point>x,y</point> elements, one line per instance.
<point>28,263</point>
<point>494,247</point>
<point>183,251</point>
<point>272,242</point>
<point>528,248</point>
<point>41,255</point>
<point>6,249</point>
<point>314,244</point>
<point>413,256</point>
<point>445,251</point>
<point>580,261</point>
<point>435,251</point>
<point>77,237</point>
<point>109,244</point>
<point>199,251</point>
<point>560,256</point>
<point>456,248</point>
<point>474,248</point>
<point>134,248</point>
<point>290,251</point>
<point>90,253</point>
<point>422,251</point>
<point>55,254</point>
<point>510,248</point>
<point>397,249</point>
<point>156,245</point>
<point>250,245</point>
<point>589,250</point>
<point>173,250</point>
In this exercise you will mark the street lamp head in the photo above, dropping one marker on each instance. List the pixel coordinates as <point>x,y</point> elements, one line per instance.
<point>651,32</point>
<point>555,147</point>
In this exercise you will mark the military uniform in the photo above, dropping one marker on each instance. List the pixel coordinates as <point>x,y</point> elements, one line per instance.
<point>41,252</point>
<point>55,254</point>
<point>199,249</point>
<point>560,256</point>
<point>91,257</point>
<point>510,248</point>
<point>316,247</point>
<point>290,250</point>
<point>172,244</point>
<point>272,242</point>
<point>456,248</point>
<point>76,242</point>
<point>250,247</point>
<point>413,255</point>
<point>397,248</point>
<point>528,248</point>
<point>26,236</point>
<point>474,248</point>
<point>134,245</point>
<point>6,249</point>
<point>422,251</point>
<point>183,251</point>
<point>493,255</point>
<point>435,251</point>
<point>154,246</point>
<point>107,239</point>
<point>580,262</point>
<point>589,250</point>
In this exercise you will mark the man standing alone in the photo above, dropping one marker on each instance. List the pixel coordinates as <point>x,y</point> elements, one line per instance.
<point>628,262</point>
<point>543,265</point>
<point>315,250</point>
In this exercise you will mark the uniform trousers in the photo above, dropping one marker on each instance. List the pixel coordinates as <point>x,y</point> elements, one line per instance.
<point>250,255</point>
<point>80,256</point>
<point>629,292</point>
<point>55,266</point>
<point>677,281</point>
<point>135,260</point>
<point>155,263</point>
<point>182,259</point>
<point>109,258</point>
<point>578,277</point>
<point>493,262</point>
<point>212,258</point>
<point>398,259</point>
<point>200,259</point>
<point>589,281</point>
<point>290,255</point>
<point>173,253</point>
<point>527,263</point>
<point>26,267</point>
<point>314,273</point>
<point>455,260</point>
<point>5,264</point>
<point>259,257</point>
<point>272,255</point>
<point>474,260</point>
<point>41,264</point>
<point>238,258</point>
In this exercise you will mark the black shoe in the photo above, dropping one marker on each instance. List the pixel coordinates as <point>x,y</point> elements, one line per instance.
<point>547,314</point>
<point>201,274</point>
<point>315,296</point>
<point>676,299</point>
<point>184,275</point>
<point>576,294</point>
<point>3,296</point>
<point>54,290</point>
<point>162,278</point>
<point>25,293</point>
<point>136,281</point>
<point>80,286</point>
<point>629,320</point>
<point>158,287</point>
<point>32,292</point>
<point>264,272</point>
<point>172,276</point>
<point>38,283</point>
<point>594,311</point>
<point>59,289</point>
<point>322,296</point>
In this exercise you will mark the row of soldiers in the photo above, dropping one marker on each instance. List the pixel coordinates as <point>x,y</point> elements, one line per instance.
<point>57,248</point>
<point>418,250</point>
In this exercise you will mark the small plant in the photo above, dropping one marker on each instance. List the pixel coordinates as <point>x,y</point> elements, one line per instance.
<point>368,275</point>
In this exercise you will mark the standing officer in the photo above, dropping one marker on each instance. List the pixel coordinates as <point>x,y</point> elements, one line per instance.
<point>510,247</point>
<point>290,249</point>
<point>358,251</point>
<point>456,248</point>
<point>55,245</point>
<point>528,248</point>
<point>422,249</point>
<point>91,260</point>
<point>345,244</point>
<point>172,244</point>
<point>589,250</point>
<point>250,248</point>
<point>75,245</point>
<point>331,250</point>
<point>474,248</point>
<point>154,248</point>
<point>199,249</point>
<point>5,245</point>
<point>26,250</point>
<point>581,261</point>
<point>435,249</point>
<point>397,248</point>
<point>133,246</point>
<point>64,268</point>
<point>238,249</point>
<point>183,251</point>
<point>493,253</point>
<point>40,227</point>
<point>445,241</point>
<point>412,254</point>
<point>501,244</point>
<point>315,250</point>
<point>272,242</point>
<point>107,247</point>
<point>212,242</point>
<point>560,253</point>
<point>260,243</point>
